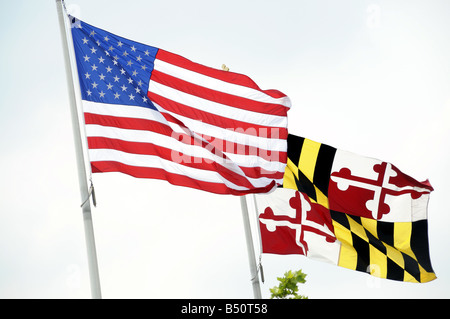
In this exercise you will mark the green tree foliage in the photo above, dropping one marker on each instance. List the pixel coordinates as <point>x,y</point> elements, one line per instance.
<point>287,289</point>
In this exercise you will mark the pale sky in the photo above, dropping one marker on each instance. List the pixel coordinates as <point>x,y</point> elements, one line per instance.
<point>370,77</point>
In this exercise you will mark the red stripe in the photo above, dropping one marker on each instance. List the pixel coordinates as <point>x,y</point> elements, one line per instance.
<point>138,124</point>
<point>240,149</point>
<point>235,148</point>
<point>148,125</point>
<point>219,97</point>
<point>226,76</point>
<point>174,179</point>
<point>217,120</point>
<point>180,158</point>
<point>257,172</point>
<point>216,145</point>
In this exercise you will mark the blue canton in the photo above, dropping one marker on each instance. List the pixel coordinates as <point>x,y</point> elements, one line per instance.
<point>111,69</point>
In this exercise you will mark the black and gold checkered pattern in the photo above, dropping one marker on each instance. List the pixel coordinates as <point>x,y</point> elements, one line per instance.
<point>397,251</point>
<point>308,168</point>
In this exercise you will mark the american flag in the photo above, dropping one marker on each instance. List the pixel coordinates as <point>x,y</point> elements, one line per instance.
<point>150,113</point>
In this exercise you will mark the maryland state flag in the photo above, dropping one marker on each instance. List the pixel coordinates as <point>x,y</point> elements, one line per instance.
<point>353,211</point>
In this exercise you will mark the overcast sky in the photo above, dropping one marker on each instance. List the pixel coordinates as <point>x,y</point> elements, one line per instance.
<point>371,77</point>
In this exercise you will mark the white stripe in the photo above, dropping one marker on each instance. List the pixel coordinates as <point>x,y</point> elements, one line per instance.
<point>218,85</point>
<point>239,137</point>
<point>256,161</point>
<point>216,108</point>
<point>269,144</point>
<point>152,161</point>
<point>177,147</point>
<point>158,162</point>
<point>129,111</point>
<point>190,151</point>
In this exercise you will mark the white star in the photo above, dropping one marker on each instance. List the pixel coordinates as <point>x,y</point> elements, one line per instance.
<point>129,63</point>
<point>116,95</point>
<point>115,62</point>
<point>133,49</point>
<point>107,53</point>
<point>109,85</point>
<point>108,69</point>
<point>139,58</point>
<point>100,59</point>
<point>137,90</point>
<point>92,33</point>
<point>106,38</point>
<point>102,94</point>
<point>125,53</point>
<point>94,67</point>
<point>93,50</point>
<point>123,87</point>
<point>131,96</point>
<point>111,48</point>
<point>87,75</point>
<point>140,83</point>
<point>122,71</point>
<point>135,73</point>
<point>85,41</point>
<point>130,80</point>
<point>98,42</point>
<point>119,44</point>
<point>86,58</point>
<point>144,99</point>
<point>116,79</point>
<point>143,67</point>
<point>89,92</point>
<point>146,52</point>
<point>102,77</point>
<point>94,85</point>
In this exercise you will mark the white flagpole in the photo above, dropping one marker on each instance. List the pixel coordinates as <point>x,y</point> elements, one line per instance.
<point>250,250</point>
<point>257,223</point>
<point>82,179</point>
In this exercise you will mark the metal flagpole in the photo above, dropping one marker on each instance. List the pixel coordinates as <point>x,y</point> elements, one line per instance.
<point>82,179</point>
<point>250,250</point>
<point>260,266</point>
<point>257,223</point>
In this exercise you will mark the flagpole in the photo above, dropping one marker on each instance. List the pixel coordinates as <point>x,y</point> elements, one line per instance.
<point>250,250</point>
<point>82,179</point>
<point>257,223</point>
